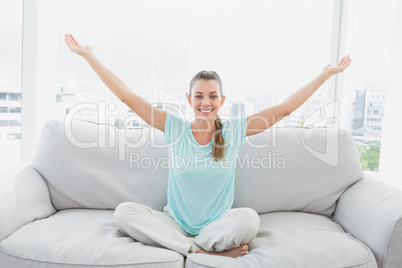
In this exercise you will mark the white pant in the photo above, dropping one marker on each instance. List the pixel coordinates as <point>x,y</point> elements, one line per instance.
<point>236,227</point>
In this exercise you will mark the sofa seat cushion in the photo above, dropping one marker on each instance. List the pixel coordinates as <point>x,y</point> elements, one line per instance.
<point>83,238</point>
<point>295,239</point>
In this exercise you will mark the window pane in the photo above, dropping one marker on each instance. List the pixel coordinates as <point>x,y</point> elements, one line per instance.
<point>10,82</point>
<point>263,51</point>
<point>370,42</point>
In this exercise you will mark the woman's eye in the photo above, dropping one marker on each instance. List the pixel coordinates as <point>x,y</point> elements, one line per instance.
<point>214,96</point>
<point>198,97</point>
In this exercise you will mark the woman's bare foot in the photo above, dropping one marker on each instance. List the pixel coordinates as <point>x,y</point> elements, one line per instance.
<point>234,252</point>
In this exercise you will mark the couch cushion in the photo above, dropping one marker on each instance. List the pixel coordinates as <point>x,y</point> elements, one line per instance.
<point>296,169</point>
<point>285,169</point>
<point>83,238</point>
<point>295,239</point>
<point>24,198</point>
<point>98,166</point>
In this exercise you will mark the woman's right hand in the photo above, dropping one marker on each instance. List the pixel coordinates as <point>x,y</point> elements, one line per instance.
<point>76,47</point>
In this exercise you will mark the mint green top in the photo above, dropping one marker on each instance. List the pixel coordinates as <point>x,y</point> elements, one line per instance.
<point>200,190</point>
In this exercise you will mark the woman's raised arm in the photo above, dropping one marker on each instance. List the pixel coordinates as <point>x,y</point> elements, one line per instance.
<point>150,114</point>
<point>266,118</point>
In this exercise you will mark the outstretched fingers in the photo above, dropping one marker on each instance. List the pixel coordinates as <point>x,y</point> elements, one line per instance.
<point>343,64</point>
<point>345,61</point>
<point>342,61</point>
<point>348,62</point>
<point>68,42</point>
<point>75,41</point>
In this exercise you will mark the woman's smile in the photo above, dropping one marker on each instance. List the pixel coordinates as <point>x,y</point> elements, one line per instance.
<point>205,112</point>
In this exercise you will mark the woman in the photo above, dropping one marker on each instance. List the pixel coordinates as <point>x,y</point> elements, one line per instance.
<point>198,217</point>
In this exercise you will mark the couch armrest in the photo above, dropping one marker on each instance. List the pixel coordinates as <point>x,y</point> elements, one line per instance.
<point>371,211</point>
<point>24,197</point>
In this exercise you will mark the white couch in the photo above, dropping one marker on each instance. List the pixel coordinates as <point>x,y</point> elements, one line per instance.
<point>317,207</point>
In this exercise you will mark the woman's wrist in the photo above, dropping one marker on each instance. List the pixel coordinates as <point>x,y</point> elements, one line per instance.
<point>88,54</point>
<point>325,74</point>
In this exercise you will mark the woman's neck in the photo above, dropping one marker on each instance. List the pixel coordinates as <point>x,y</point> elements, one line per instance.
<point>201,127</point>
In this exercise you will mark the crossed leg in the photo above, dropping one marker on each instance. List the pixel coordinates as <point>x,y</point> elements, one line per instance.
<point>153,227</point>
<point>227,236</point>
<point>230,235</point>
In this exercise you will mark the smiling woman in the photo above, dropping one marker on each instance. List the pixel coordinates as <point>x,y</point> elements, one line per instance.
<point>264,58</point>
<point>199,200</point>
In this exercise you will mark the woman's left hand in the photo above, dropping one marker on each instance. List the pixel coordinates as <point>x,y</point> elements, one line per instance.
<point>75,47</point>
<point>342,65</point>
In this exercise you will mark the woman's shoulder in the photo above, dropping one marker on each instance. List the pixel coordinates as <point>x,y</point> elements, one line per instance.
<point>175,118</point>
<point>175,126</point>
<point>233,122</point>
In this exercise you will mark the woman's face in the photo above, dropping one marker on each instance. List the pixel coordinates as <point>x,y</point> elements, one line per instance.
<point>206,99</point>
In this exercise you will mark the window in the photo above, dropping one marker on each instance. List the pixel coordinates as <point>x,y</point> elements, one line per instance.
<point>263,50</point>
<point>14,123</point>
<point>14,136</point>
<point>15,109</point>
<point>10,82</point>
<point>14,97</point>
<point>157,46</point>
<point>367,84</point>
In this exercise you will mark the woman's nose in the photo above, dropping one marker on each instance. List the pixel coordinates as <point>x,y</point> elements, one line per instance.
<point>205,101</point>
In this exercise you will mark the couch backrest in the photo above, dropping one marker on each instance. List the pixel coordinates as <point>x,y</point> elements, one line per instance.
<point>299,169</point>
<point>93,166</point>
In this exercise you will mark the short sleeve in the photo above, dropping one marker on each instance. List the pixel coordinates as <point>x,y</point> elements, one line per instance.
<point>234,131</point>
<point>242,123</point>
<point>174,128</point>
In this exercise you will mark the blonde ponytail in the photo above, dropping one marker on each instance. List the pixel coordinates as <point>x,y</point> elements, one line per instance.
<point>218,147</point>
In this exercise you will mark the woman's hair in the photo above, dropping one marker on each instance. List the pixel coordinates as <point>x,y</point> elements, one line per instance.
<point>218,147</point>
